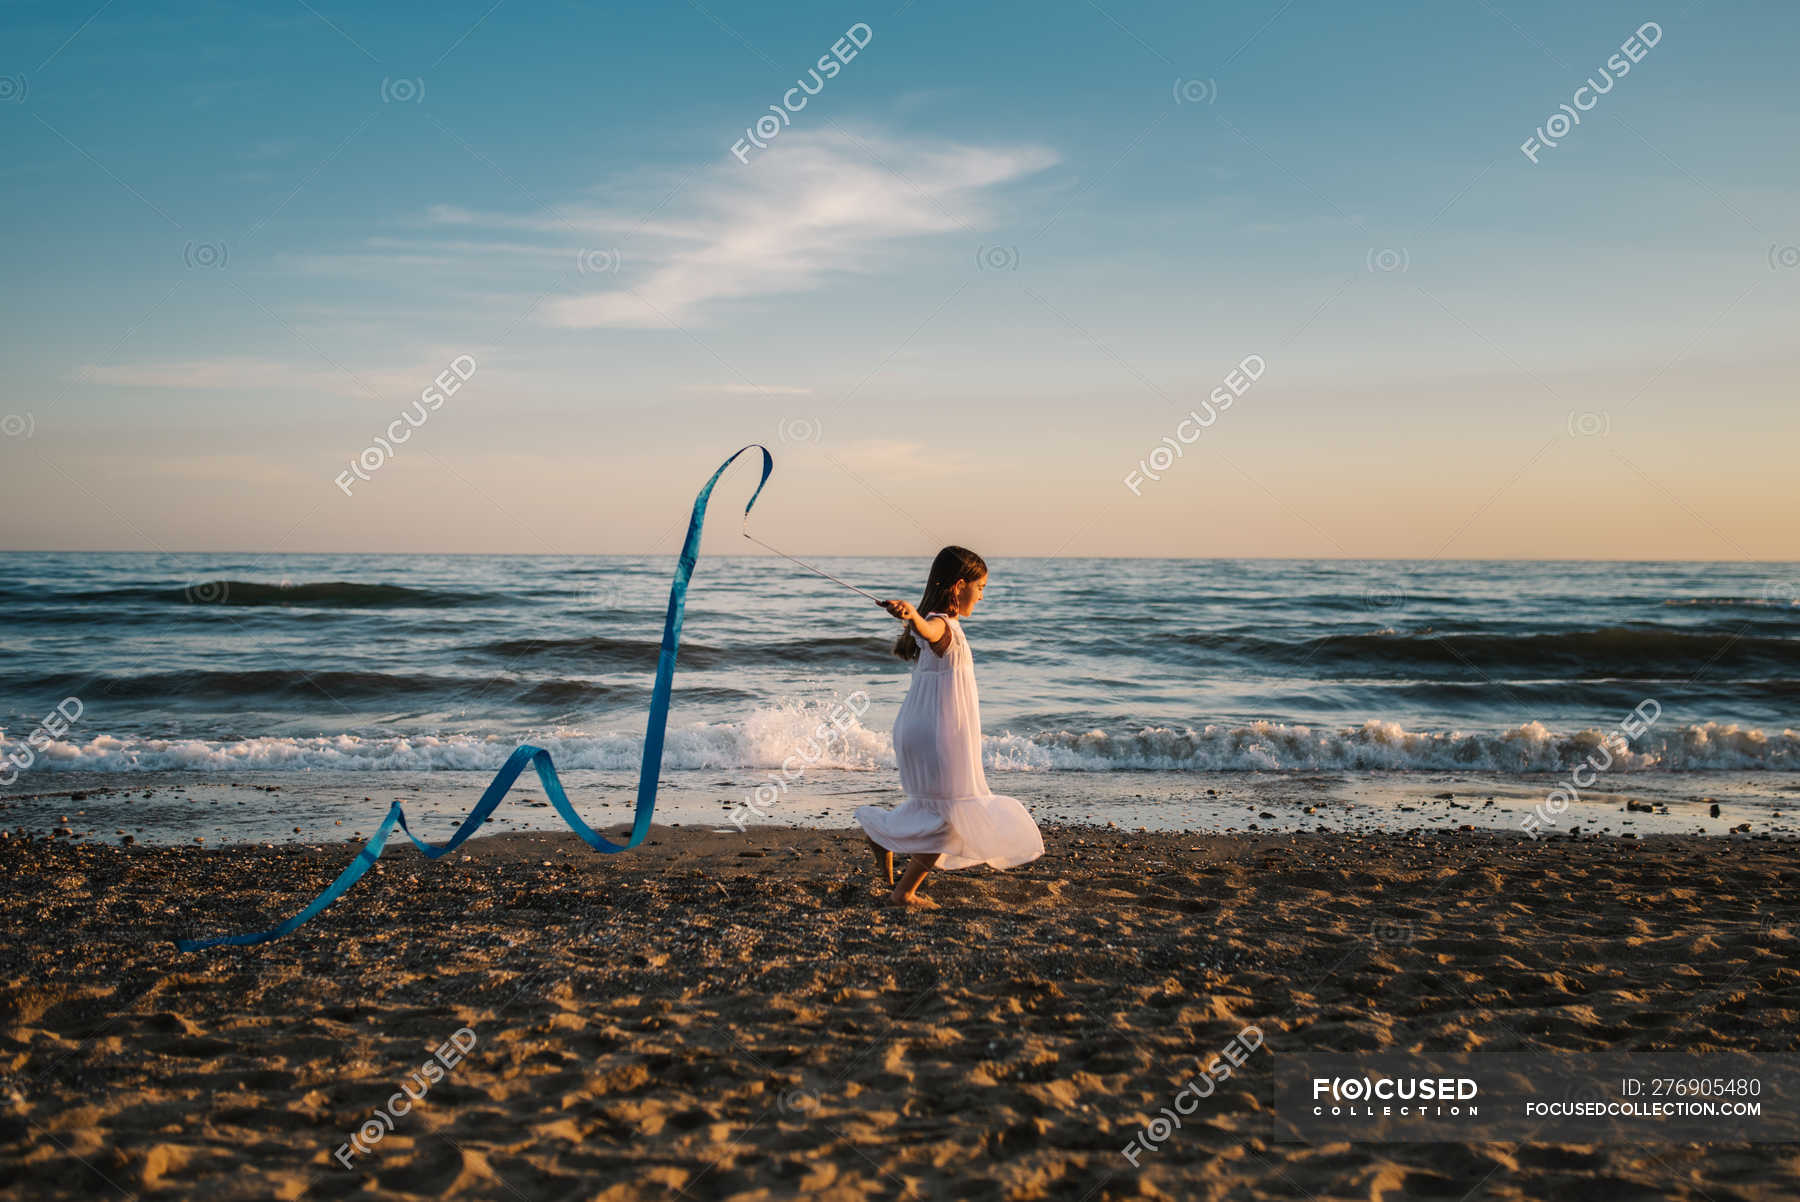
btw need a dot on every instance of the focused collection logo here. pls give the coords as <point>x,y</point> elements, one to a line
<point>1394,1097</point>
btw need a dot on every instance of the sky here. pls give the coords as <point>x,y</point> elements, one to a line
<point>990,260</point>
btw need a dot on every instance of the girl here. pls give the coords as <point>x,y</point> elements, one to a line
<point>949,819</point>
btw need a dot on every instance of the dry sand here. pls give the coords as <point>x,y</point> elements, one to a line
<point>720,1016</point>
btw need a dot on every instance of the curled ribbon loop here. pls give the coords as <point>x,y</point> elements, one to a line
<point>649,774</point>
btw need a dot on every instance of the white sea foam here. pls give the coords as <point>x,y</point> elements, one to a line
<point>768,736</point>
<point>1376,745</point>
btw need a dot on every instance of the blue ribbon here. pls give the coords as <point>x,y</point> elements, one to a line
<point>648,776</point>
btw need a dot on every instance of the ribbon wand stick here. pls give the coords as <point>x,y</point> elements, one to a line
<point>809,567</point>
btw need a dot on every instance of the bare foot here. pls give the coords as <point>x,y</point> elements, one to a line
<point>884,862</point>
<point>912,900</point>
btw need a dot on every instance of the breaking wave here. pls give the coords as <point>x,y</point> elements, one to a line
<point>771,735</point>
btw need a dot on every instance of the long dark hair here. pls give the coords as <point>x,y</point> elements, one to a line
<point>951,565</point>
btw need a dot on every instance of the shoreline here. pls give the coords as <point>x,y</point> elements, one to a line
<point>736,1015</point>
<point>287,807</point>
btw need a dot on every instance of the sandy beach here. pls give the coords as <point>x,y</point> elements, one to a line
<point>1349,523</point>
<point>720,1016</point>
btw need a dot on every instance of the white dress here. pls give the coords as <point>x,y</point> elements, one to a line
<point>937,743</point>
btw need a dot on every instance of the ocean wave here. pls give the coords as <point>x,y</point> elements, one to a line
<point>768,737</point>
<point>1776,601</point>
<point>1378,745</point>
<point>1622,651</point>
<point>343,594</point>
<point>327,686</point>
<point>603,652</point>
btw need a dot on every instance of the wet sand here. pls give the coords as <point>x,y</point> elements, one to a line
<point>733,1016</point>
<point>306,807</point>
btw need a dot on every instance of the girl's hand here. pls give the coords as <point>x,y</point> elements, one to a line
<point>900,609</point>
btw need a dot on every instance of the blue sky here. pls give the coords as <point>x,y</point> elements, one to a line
<point>962,294</point>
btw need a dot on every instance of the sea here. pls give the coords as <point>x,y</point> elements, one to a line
<point>1170,670</point>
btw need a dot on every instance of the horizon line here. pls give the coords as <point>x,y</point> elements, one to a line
<point>829,555</point>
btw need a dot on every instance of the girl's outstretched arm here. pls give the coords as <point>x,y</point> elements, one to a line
<point>935,631</point>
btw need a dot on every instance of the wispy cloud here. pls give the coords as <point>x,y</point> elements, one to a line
<point>815,207</point>
<point>250,470</point>
<point>755,389</point>
<point>240,374</point>
<point>202,374</point>
<point>268,149</point>
<point>381,265</point>
<point>887,458</point>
